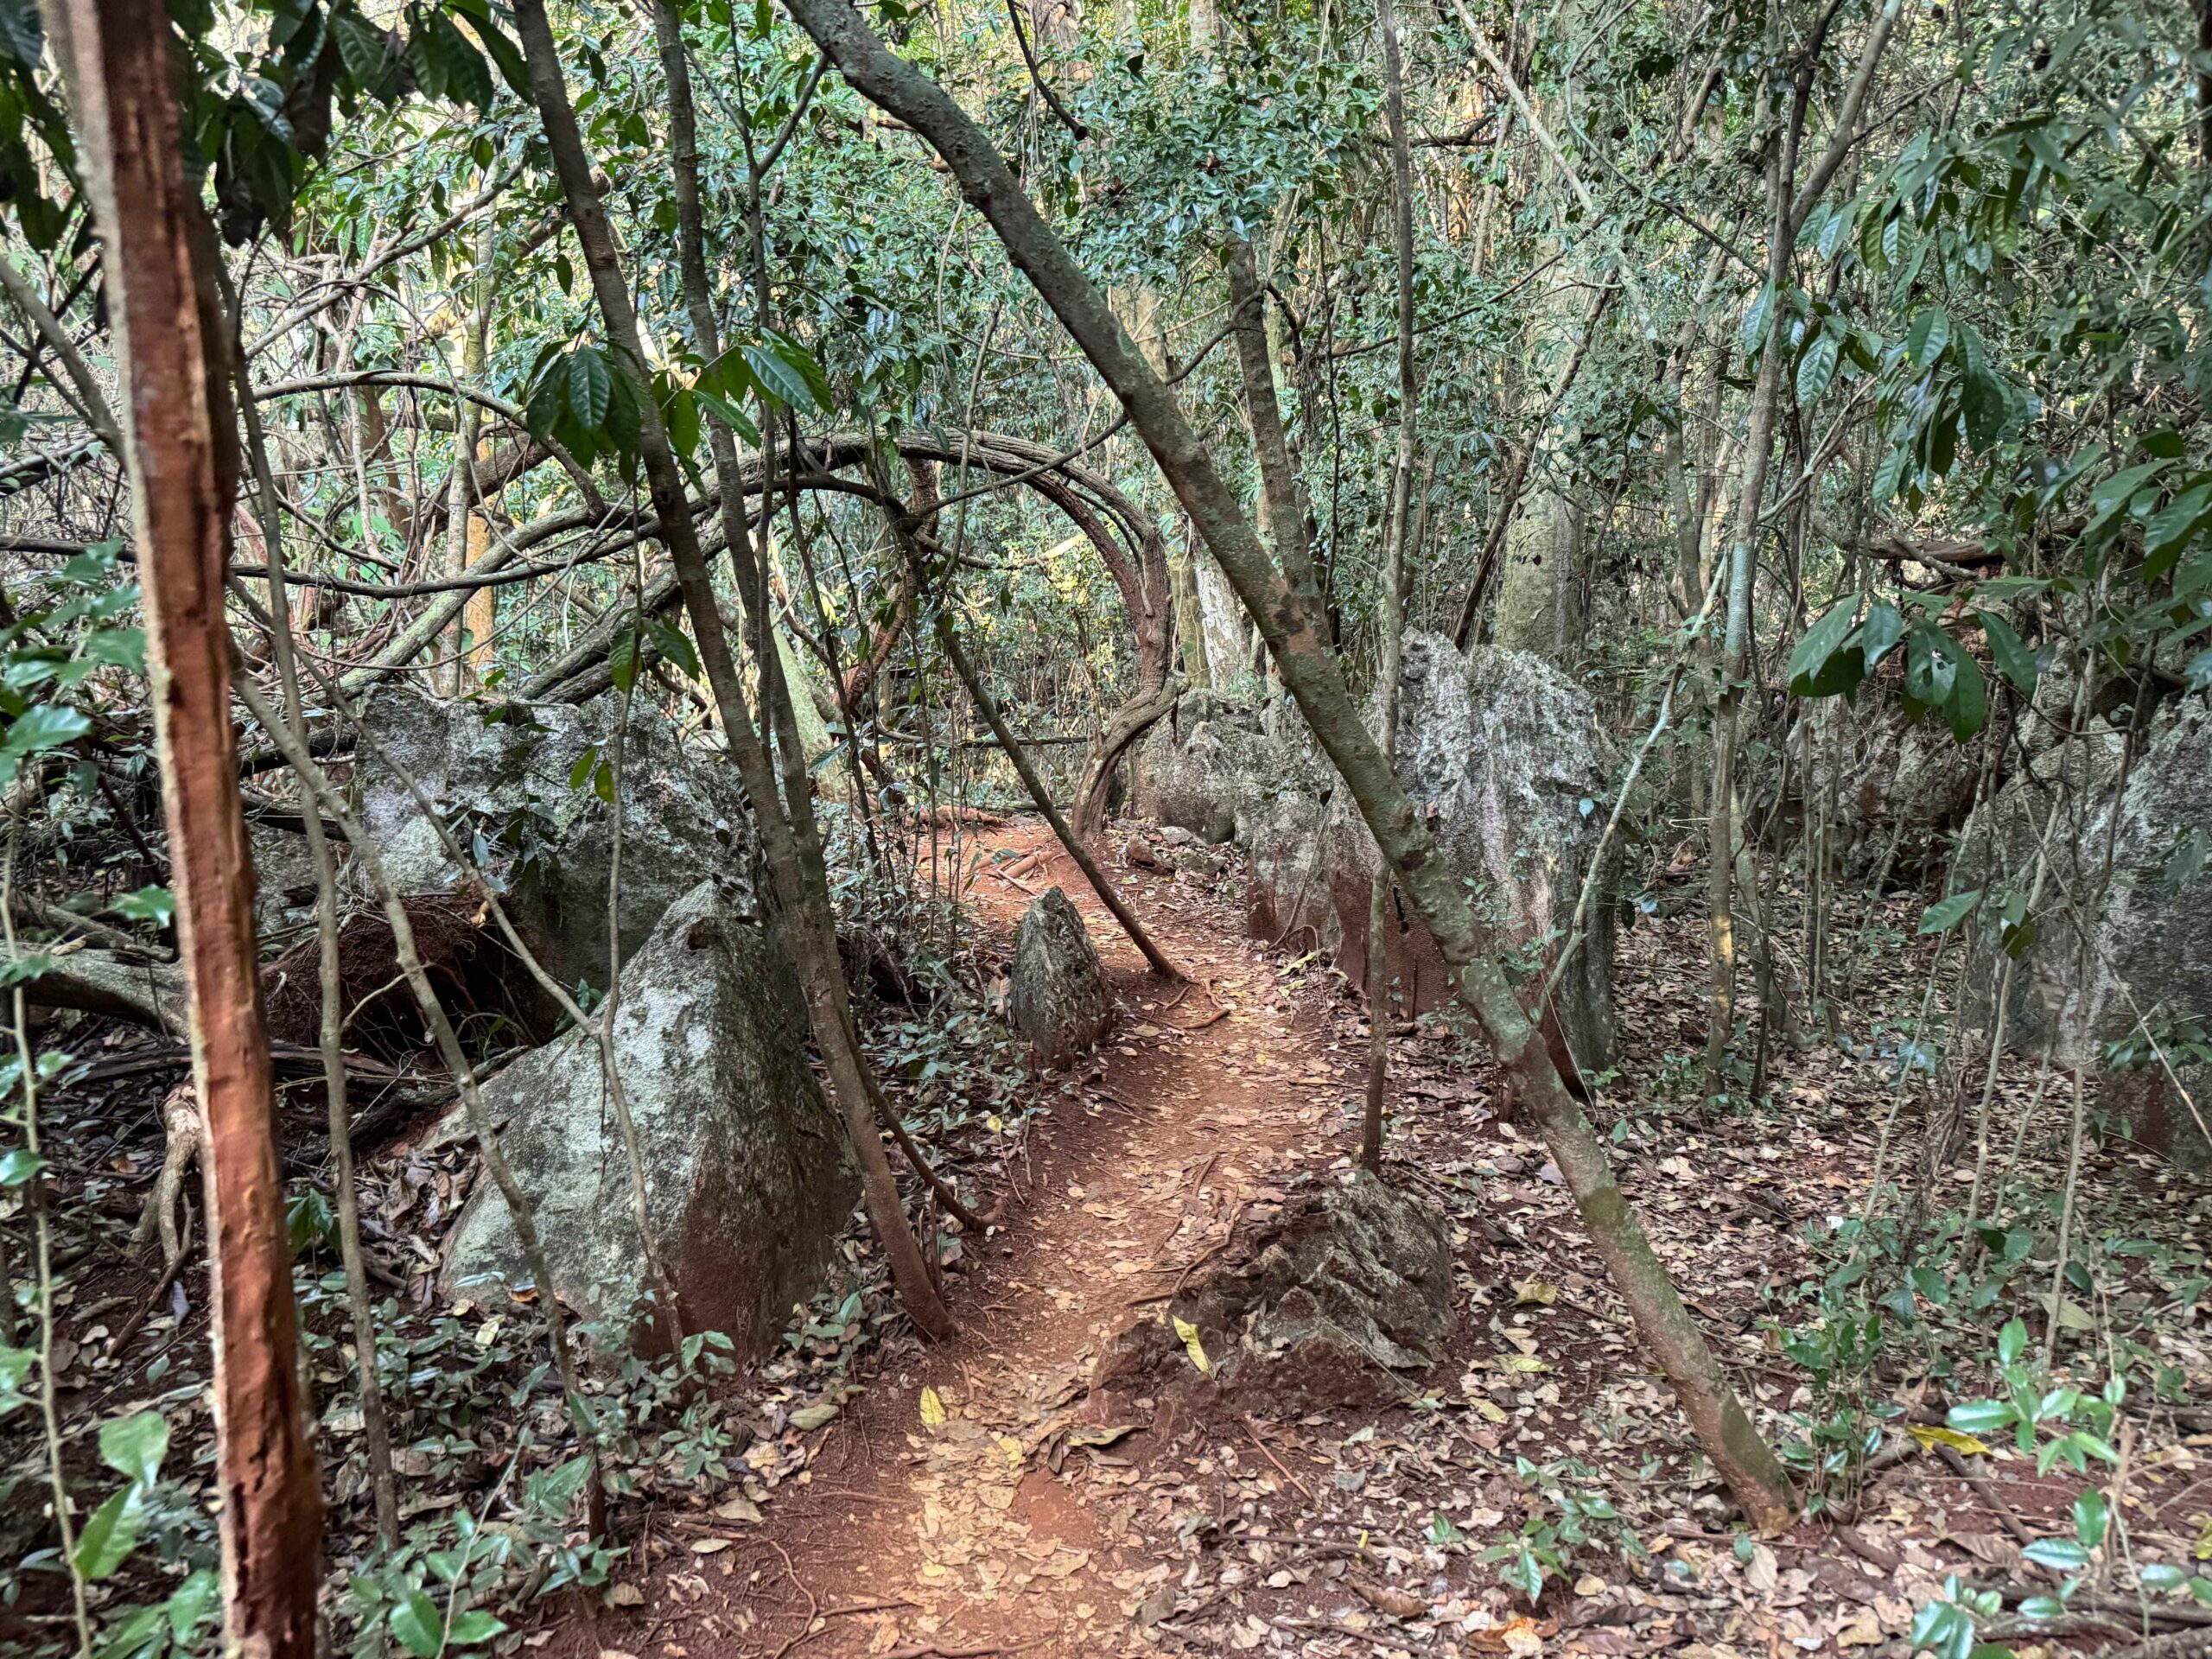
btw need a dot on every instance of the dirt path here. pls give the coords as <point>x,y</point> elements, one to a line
<point>910,1536</point>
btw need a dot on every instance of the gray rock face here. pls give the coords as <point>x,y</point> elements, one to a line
<point>748,1176</point>
<point>1896,783</point>
<point>1499,749</point>
<point>1202,766</point>
<point>1059,997</point>
<point>2152,943</point>
<point>500,773</point>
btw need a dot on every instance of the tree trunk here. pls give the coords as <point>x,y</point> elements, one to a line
<point>810,938</point>
<point>1313,677</point>
<point>1390,622</point>
<point>159,257</point>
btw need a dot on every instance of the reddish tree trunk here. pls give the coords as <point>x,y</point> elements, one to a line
<point>183,456</point>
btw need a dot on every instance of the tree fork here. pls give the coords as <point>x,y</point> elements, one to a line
<point>1312,674</point>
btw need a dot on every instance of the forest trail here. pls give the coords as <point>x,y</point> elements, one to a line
<point>912,1538</point>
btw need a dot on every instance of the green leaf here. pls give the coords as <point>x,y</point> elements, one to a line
<point>782,382</point>
<point>801,361</point>
<point>2009,651</point>
<point>676,645</point>
<point>113,1528</point>
<point>513,69</point>
<point>2061,1552</point>
<point>2011,1341</point>
<point>1816,369</point>
<point>134,1446</point>
<point>473,1626</point>
<point>580,773</point>
<point>1940,918</point>
<point>19,1165</point>
<point>190,1605</point>
<point>49,726</point>
<point>1878,634</point>
<point>591,387</point>
<point>2159,1575</point>
<point>462,73</point>
<point>1808,661</point>
<point>156,904</point>
<point>2043,1607</point>
<point>21,37</point>
<point>1929,333</point>
<point>415,1621</point>
<point>731,416</point>
<point>1968,704</point>
<point>622,659</point>
<point>1757,317</point>
<point>2090,1516</point>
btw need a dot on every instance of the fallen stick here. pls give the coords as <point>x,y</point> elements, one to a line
<point>1267,1452</point>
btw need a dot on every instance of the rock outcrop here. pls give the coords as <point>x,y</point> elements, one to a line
<point>501,773</point>
<point>1333,1299</point>
<point>1503,755</point>
<point>1059,999</point>
<point>2148,956</point>
<point>748,1175</point>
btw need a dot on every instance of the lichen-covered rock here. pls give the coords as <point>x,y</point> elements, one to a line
<point>1329,1301</point>
<point>2149,952</point>
<point>1503,755</point>
<point>1202,767</point>
<point>1059,999</point>
<point>748,1175</point>
<point>1895,790</point>
<point>501,774</point>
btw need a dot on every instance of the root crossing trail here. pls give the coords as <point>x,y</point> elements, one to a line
<point>953,1537</point>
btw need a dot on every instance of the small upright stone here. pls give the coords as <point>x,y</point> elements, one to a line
<point>1059,999</point>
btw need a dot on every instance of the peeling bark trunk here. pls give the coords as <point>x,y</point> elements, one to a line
<point>171,346</point>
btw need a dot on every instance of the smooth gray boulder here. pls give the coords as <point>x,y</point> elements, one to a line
<point>1059,999</point>
<point>2145,970</point>
<point>501,773</point>
<point>749,1178</point>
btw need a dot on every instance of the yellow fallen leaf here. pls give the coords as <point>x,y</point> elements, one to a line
<point>1535,1293</point>
<point>932,1409</point>
<point>1486,1408</point>
<point>1189,1335</point>
<point>1521,1365</point>
<point>1929,1439</point>
<point>1012,1448</point>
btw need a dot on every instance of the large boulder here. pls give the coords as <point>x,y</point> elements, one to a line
<point>1503,755</point>
<point>1059,999</point>
<point>748,1175</point>
<point>1203,767</point>
<point>2148,952</point>
<point>501,774</point>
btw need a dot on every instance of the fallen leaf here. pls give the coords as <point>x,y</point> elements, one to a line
<point>709,1545</point>
<point>1189,1335</point>
<point>1383,1599</point>
<point>1929,1439</point>
<point>739,1508</point>
<point>811,1418</point>
<point>932,1409</point>
<point>1762,1571</point>
<point>1535,1293</point>
<point>625,1595</point>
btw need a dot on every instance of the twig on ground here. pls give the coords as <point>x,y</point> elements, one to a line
<point>1253,1429</point>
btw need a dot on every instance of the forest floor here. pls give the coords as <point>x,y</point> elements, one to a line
<point>962,1503</point>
